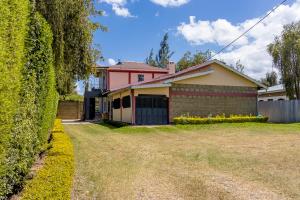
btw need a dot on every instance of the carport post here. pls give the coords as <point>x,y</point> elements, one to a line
<point>133,107</point>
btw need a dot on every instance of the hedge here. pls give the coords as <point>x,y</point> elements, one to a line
<point>218,119</point>
<point>13,30</point>
<point>28,97</point>
<point>54,180</point>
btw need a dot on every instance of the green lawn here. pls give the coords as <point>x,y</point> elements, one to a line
<point>222,161</point>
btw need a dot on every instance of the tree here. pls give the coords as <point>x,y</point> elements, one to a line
<point>72,39</point>
<point>239,66</point>
<point>189,60</point>
<point>285,51</point>
<point>270,79</point>
<point>150,60</point>
<point>164,54</point>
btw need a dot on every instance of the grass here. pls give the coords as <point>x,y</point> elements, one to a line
<point>219,161</point>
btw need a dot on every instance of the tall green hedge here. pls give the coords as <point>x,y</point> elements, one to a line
<point>13,30</point>
<point>28,97</point>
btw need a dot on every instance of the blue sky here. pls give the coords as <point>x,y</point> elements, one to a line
<point>136,26</point>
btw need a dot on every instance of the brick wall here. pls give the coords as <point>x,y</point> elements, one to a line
<point>201,100</point>
<point>70,110</point>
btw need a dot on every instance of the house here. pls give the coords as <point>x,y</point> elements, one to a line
<point>211,88</point>
<point>274,93</point>
<point>120,75</point>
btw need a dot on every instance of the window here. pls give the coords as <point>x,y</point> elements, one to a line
<point>141,77</point>
<point>270,99</point>
<point>126,102</point>
<point>117,103</point>
<point>280,99</point>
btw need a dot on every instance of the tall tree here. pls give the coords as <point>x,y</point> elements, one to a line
<point>150,59</point>
<point>72,38</point>
<point>189,60</point>
<point>270,79</point>
<point>164,54</point>
<point>285,51</point>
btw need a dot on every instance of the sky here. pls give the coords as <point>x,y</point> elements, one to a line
<point>137,26</point>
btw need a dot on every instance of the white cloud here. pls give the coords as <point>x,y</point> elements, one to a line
<point>111,61</point>
<point>170,3</point>
<point>250,49</point>
<point>119,2</point>
<point>121,11</point>
<point>118,7</point>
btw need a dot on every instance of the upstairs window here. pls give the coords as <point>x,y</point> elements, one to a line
<point>126,102</point>
<point>141,77</point>
<point>117,103</point>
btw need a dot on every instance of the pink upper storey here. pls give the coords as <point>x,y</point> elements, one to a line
<point>127,73</point>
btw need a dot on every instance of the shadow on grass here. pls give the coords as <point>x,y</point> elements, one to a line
<point>110,126</point>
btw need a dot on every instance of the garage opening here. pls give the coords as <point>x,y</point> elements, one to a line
<point>151,110</point>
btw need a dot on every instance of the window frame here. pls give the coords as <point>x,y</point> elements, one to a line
<point>126,102</point>
<point>116,104</point>
<point>141,77</point>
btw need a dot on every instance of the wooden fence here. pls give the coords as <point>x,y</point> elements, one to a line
<point>70,110</point>
<point>280,111</point>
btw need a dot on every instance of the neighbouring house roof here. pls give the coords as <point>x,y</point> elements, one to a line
<point>273,89</point>
<point>135,66</point>
<point>186,74</point>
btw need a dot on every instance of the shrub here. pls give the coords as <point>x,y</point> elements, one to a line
<point>13,30</point>
<point>26,120</point>
<point>54,180</point>
<point>116,123</point>
<point>219,119</point>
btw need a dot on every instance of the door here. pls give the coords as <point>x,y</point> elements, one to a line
<point>92,108</point>
<point>151,110</point>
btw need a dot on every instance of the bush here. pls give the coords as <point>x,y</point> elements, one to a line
<point>115,123</point>
<point>54,180</point>
<point>219,119</point>
<point>13,29</point>
<point>26,121</point>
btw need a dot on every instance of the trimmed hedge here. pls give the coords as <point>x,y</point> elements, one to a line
<point>214,120</point>
<point>54,180</point>
<point>28,97</point>
<point>13,30</point>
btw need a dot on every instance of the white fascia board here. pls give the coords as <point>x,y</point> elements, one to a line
<point>151,86</point>
<point>189,76</point>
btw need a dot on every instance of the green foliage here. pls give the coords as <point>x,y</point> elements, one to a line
<point>72,97</point>
<point>219,119</point>
<point>13,28</point>
<point>270,79</point>
<point>164,53</point>
<point>286,57</point>
<point>54,179</point>
<point>189,60</point>
<point>40,60</point>
<point>35,107</point>
<point>73,34</point>
<point>150,60</point>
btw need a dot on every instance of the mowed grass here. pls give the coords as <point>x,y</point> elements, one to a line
<point>221,161</point>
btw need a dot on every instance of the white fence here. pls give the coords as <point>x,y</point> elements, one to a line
<point>280,111</point>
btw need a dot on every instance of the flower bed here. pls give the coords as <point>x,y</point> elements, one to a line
<point>219,119</point>
<point>54,180</point>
